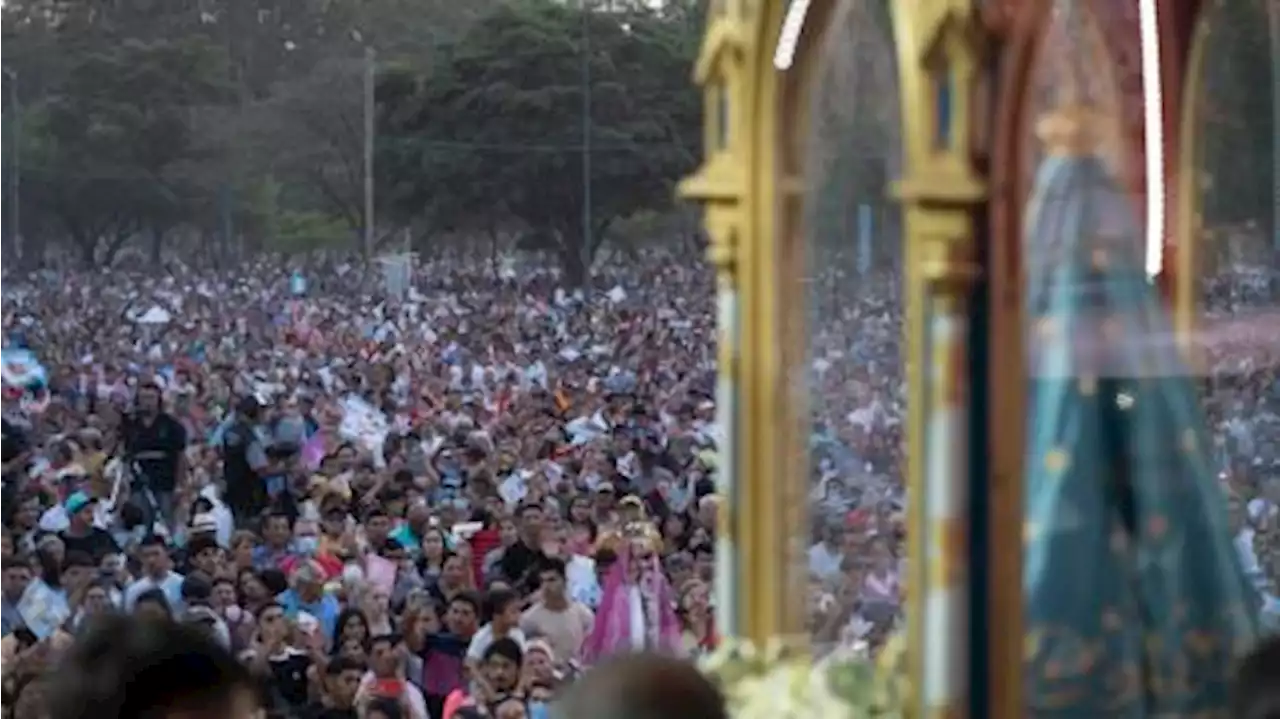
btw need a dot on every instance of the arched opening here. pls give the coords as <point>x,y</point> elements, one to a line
<point>1229,270</point>
<point>841,282</point>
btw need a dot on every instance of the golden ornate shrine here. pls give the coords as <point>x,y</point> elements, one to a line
<point>973,78</point>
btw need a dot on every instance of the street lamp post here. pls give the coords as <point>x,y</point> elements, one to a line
<point>586,131</point>
<point>370,66</point>
<point>15,203</point>
<point>1273,26</point>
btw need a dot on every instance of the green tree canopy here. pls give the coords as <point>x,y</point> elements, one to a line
<point>242,123</point>
<point>497,133</point>
<point>103,148</point>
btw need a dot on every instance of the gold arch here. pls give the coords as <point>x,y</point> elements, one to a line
<point>794,132</point>
<point>751,190</point>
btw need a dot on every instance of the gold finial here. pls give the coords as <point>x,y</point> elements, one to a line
<point>1069,130</point>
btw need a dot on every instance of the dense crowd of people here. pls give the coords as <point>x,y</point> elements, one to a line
<point>1242,407</point>
<point>420,498</point>
<point>399,495</point>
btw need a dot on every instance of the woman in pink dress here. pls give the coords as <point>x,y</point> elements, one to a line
<point>637,609</point>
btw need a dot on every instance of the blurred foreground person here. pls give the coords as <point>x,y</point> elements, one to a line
<point>643,686</point>
<point>1257,687</point>
<point>128,668</point>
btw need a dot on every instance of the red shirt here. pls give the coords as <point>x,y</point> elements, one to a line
<point>482,542</point>
<point>331,565</point>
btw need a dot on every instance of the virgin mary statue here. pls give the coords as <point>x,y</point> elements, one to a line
<point>1136,604</point>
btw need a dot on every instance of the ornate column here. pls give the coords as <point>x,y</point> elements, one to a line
<point>943,192</point>
<point>719,185</point>
<point>1273,33</point>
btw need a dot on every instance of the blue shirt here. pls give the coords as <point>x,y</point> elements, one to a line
<point>265,557</point>
<point>326,609</point>
<point>11,618</point>
<point>408,538</point>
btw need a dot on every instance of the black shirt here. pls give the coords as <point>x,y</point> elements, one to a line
<point>320,711</point>
<point>13,443</point>
<point>98,543</point>
<point>517,564</point>
<point>288,680</point>
<point>235,454</point>
<point>156,447</point>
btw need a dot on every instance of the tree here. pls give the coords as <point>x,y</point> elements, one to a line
<point>242,123</point>
<point>496,132</point>
<point>1237,132</point>
<point>104,143</point>
<point>856,147</point>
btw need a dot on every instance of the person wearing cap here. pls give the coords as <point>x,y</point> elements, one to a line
<point>81,535</point>
<point>631,509</point>
<point>606,503</point>
<point>203,524</point>
<point>209,509</point>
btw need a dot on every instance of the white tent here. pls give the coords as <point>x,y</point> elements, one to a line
<point>157,315</point>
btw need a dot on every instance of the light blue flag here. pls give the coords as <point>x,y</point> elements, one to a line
<point>215,437</point>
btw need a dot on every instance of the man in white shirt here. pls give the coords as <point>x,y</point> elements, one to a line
<point>504,609</point>
<point>564,623</point>
<point>156,575</point>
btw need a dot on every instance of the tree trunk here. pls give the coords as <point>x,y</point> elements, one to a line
<point>573,266</point>
<point>113,248</point>
<point>157,245</point>
<point>493,254</point>
<point>88,252</point>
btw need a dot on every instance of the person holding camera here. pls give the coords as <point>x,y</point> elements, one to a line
<point>155,443</point>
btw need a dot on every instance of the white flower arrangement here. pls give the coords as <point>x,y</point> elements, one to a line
<point>774,683</point>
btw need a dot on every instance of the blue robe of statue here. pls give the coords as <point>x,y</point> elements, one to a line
<point>1136,603</point>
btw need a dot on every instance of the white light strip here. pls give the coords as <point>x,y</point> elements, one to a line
<point>792,24</point>
<point>1153,121</point>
